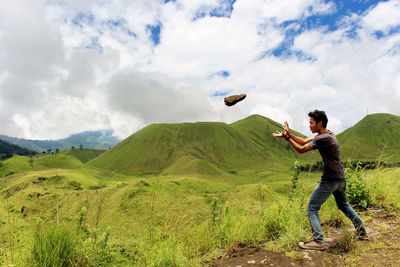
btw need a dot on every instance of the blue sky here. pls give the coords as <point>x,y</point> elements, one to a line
<point>68,67</point>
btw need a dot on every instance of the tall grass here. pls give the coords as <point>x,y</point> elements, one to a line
<point>54,245</point>
<point>187,221</point>
<point>284,222</point>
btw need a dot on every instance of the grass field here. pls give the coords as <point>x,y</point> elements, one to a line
<point>163,220</point>
<point>180,195</point>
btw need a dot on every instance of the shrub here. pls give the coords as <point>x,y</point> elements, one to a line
<point>74,185</point>
<point>93,248</point>
<point>294,179</point>
<point>275,222</point>
<point>357,190</point>
<point>54,245</point>
<point>346,242</point>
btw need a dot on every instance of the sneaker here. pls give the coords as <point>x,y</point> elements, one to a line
<point>312,245</point>
<point>362,236</point>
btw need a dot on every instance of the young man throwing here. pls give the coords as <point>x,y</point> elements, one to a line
<point>332,180</point>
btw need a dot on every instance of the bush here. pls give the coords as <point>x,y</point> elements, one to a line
<point>74,185</point>
<point>54,245</point>
<point>63,245</point>
<point>94,248</point>
<point>274,223</point>
<point>357,190</point>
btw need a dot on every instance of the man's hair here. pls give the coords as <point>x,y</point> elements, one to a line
<point>319,115</point>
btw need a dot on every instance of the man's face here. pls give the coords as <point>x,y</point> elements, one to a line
<point>313,125</point>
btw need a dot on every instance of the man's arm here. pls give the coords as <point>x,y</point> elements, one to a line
<point>300,140</point>
<point>297,139</point>
<point>301,149</point>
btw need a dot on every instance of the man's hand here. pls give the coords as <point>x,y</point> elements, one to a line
<point>280,134</point>
<point>286,132</point>
<point>294,140</point>
<point>286,128</point>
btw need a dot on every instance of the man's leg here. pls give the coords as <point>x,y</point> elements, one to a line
<point>321,193</point>
<point>344,206</point>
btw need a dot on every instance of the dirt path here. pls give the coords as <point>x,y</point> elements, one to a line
<point>382,248</point>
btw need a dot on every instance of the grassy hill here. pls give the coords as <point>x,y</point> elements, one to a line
<point>84,155</point>
<point>245,144</point>
<point>21,164</point>
<point>56,161</point>
<point>170,221</point>
<point>220,186</point>
<point>14,165</point>
<point>374,135</point>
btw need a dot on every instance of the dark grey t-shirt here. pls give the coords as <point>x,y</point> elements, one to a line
<point>328,147</point>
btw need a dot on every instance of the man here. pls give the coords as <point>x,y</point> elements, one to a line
<point>332,180</point>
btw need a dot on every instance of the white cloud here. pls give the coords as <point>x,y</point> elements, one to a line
<point>209,45</point>
<point>362,70</point>
<point>152,97</point>
<point>274,113</point>
<point>66,115</point>
<point>67,67</point>
<point>279,10</point>
<point>335,124</point>
<point>383,17</point>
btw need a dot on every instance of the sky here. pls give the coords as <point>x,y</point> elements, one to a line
<point>74,66</point>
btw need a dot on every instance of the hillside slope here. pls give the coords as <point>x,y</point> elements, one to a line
<point>20,164</point>
<point>245,144</point>
<point>374,135</point>
<point>84,155</point>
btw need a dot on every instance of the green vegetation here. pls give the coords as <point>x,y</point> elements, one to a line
<point>181,208</point>
<point>7,150</point>
<point>84,155</point>
<point>14,165</point>
<point>357,190</point>
<point>374,137</point>
<point>230,148</point>
<point>164,220</point>
<point>56,161</point>
<point>54,246</point>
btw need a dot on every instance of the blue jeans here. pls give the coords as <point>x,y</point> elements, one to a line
<point>321,193</point>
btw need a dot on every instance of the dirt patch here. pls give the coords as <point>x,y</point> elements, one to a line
<point>254,257</point>
<point>382,248</point>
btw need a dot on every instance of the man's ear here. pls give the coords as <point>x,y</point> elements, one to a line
<point>320,124</point>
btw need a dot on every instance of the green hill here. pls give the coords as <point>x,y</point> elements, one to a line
<point>56,161</point>
<point>14,165</point>
<point>245,144</point>
<point>84,155</point>
<point>374,135</point>
<point>220,186</point>
<point>259,129</point>
<point>192,165</point>
<point>20,164</point>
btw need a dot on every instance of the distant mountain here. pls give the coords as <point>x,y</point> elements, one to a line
<point>8,150</point>
<point>89,139</point>
<point>200,148</point>
<point>375,135</point>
